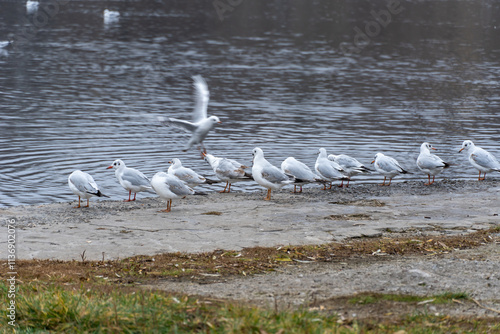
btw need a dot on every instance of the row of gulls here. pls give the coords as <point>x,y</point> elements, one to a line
<point>179,181</point>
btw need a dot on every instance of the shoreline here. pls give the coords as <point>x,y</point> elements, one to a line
<point>240,220</point>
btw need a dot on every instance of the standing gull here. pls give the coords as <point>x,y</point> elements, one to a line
<point>328,169</point>
<point>169,186</point>
<point>187,175</point>
<point>129,178</point>
<point>480,159</point>
<point>300,171</point>
<point>350,165</point>
<point>267,175</point>
<point>83,186</point>
<point>430,163</point>
<point>228,170</point>
<point>201,124</point>
<point>387,166</point>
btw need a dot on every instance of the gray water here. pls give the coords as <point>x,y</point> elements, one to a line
<point>287,76</point>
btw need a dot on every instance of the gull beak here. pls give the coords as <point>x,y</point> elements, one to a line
<point>109,167</point>
<point>461,150</point>
<point>170,162</point>
<point>219,122</point>
<point>204,154</point>
<point>372,162</point>
<point>435,149</point>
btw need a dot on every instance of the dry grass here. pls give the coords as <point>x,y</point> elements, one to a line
<point>221,263</point>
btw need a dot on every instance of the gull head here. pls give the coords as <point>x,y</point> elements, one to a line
<point>175,162</point>
<point>378,155</point>
<point>427,146</point>
<point>215,119</point>
<point>467,145</point>
<point>322,152</point>
<point>116,164</point>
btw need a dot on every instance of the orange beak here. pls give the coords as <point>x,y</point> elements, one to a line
<point>373,161</point>
<point>109,167</point>
<point>204,154</point>
<point>219,122</point>
<point>461,150</point>
<point>435,149</point>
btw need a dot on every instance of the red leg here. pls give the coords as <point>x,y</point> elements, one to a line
<point>135,194</point>
<point>87,203</point>
<point>268,197</point>
<point>223,191</point>
<point>341,184</point>
<point>78,203</point>
<point>129,193</point>
<point>383,184</point>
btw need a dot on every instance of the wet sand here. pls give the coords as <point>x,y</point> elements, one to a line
<point>238,220</point>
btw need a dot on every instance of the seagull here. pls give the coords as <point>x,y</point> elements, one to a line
<point>111,16</point>
<point>350,165</point>
<point>84,186</point>
<point>228,170</point>
<point>387,166</point>
<point>430,163</point>
<point>31,6</point>
<point>201,124</point>
<point>131,179</point>
<point>267,175</point>
<point>300,171</point>
<point>480,159</point>
<point>328,169</point>
<point>187,175</point>
<point>169,186</point>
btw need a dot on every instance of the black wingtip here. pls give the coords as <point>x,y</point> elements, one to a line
<point>100,194</point>
<point>209,181</point>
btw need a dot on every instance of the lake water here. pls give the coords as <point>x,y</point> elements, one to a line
<point>288,76</point>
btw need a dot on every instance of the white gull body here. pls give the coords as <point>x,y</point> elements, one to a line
<point>83,185</point>
<point>227,170</point>
<point>131,179</point>
<point>350,165</point>
<point>168,187</point>
<point>187,175</point>
<point>328,169</point>
<point>388,167</point>
<point>302,173</point>
<point>267,175</point>
<point>200,125</point>
<point>430,163</point>
<point>480,159</point>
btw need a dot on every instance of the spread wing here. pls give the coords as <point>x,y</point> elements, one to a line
<point>178,123</point>
<point>201,96</point>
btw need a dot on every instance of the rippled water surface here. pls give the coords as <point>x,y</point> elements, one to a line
<point>287,76</point>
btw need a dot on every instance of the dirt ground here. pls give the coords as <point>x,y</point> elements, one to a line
<point>240,220</point>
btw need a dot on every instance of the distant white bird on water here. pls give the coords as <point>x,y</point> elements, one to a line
<point>227,170</point>
<point>267,175</point>
<point>328,169</point>
<point>201,124</point>
<point>300,171</point>
<point>430,163</point>
<point>31,6</point>
<point>131,179</point>
<point>111,16</point>
<point>480,159</point>
<point>350,165</point>
<point>84,186</point>
<point>387,166</point>
<point>168,187</point>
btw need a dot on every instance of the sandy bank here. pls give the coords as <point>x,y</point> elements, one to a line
<point>238,220</point>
